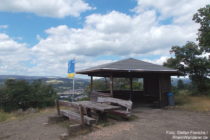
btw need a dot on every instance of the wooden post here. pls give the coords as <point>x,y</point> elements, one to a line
<point>91,85</point>
<point>111,85</point>
<point>159,90</point>
<point>106,84</point>
<point>81,115</point>
<point>131,87</point>
<point>57,106</point>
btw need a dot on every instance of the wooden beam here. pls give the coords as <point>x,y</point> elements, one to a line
<point>111,85</point>
<point>57,106</point>
<point>82,121</point>
<point>159,90</point>
<point>91,85</point>
<point>106,83</point>
<point>131,84</point>
<point>131,87</point>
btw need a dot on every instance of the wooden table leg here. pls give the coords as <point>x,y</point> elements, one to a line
<point>88,112</point>
<point>102,116</point>
<point>57,106</point>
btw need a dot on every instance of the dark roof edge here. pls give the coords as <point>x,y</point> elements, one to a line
<point>124,70</point>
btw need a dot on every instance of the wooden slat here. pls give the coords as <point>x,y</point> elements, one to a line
<point>125,103</point>
<point>69,104</point>
<point>97,106</point>
<point>82,121</point>
<point>75,116</point>
<point>57,107</point>
<point>121,112</point>
<point>95,94</point>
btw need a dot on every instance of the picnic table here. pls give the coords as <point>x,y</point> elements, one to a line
<point>100,108</point>
<point>88,109</point>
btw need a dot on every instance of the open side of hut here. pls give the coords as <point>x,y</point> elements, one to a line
<point>156,80</point>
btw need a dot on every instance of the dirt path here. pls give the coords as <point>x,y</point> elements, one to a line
<point>151,124</point>
<point>31,128</point>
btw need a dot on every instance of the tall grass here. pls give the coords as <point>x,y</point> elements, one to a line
<point>6,116</point>
<point>185,100</point>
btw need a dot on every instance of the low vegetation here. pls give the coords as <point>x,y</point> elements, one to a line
<point>6,116</point>
<point>19,94</point>
<point>192,59</point>
<point>20,114</point>
<point>186,100</point>
<point>118,83</point>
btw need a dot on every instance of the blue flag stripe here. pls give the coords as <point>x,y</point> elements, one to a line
<point>71,66</point>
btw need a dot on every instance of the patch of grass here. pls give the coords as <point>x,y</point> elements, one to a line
<point>193,103</point>
<point>183,92</point>
<point>79,131</point>
<point>84,99</point>
<point>6,116</point>
<point>120,118</point>
<point>115,117</point>
<point>104,123</point>
<point>47,110</point>
<point>132,118</point>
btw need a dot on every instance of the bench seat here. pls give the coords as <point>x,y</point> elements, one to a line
<point>75,116</point>
<point>121,112</point>
<point>127,105</point>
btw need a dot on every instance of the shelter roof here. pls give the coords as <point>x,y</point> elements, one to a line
<point>128,66</point>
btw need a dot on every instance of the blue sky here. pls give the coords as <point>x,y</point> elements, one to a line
<point>28,25</point>
<point>39,37</point>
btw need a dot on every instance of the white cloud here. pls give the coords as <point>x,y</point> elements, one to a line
<point>3,26</point>
<point>13,56</point>
<point>158,61</point>
<point>181,11</point>
<point>48,8</point>
<point>166,8</point>
<point>113,34</point>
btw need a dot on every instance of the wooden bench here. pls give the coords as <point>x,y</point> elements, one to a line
<point>81,116</point>
<point>95,94</point>
<point>125,109</point>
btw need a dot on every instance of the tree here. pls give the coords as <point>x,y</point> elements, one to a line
<point>188,60</point>
<point>180,84</point>
<point>17,94</point>
<point>203,18</point>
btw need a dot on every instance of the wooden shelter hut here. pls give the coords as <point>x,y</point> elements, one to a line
<point>156,80</point>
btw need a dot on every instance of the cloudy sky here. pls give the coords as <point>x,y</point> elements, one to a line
<point>38,37</point>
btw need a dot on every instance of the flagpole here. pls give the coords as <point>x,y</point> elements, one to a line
<point>71,74</point>
<point>73,80</point>
<point>73,86</point>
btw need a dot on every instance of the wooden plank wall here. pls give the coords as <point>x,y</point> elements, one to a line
<point>151,86</point>
<point>164,88</point>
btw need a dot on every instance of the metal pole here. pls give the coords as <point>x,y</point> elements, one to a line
<point>73,90</point>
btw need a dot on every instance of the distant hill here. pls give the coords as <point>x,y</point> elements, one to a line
<point>63,84</point>
<point>3,77</point>
<point>174,81</point>
<point>59,83</point>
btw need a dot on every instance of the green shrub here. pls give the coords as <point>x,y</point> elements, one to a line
<point>17,94</point>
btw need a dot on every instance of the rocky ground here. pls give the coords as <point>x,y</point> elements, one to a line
<point>158,124</point>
